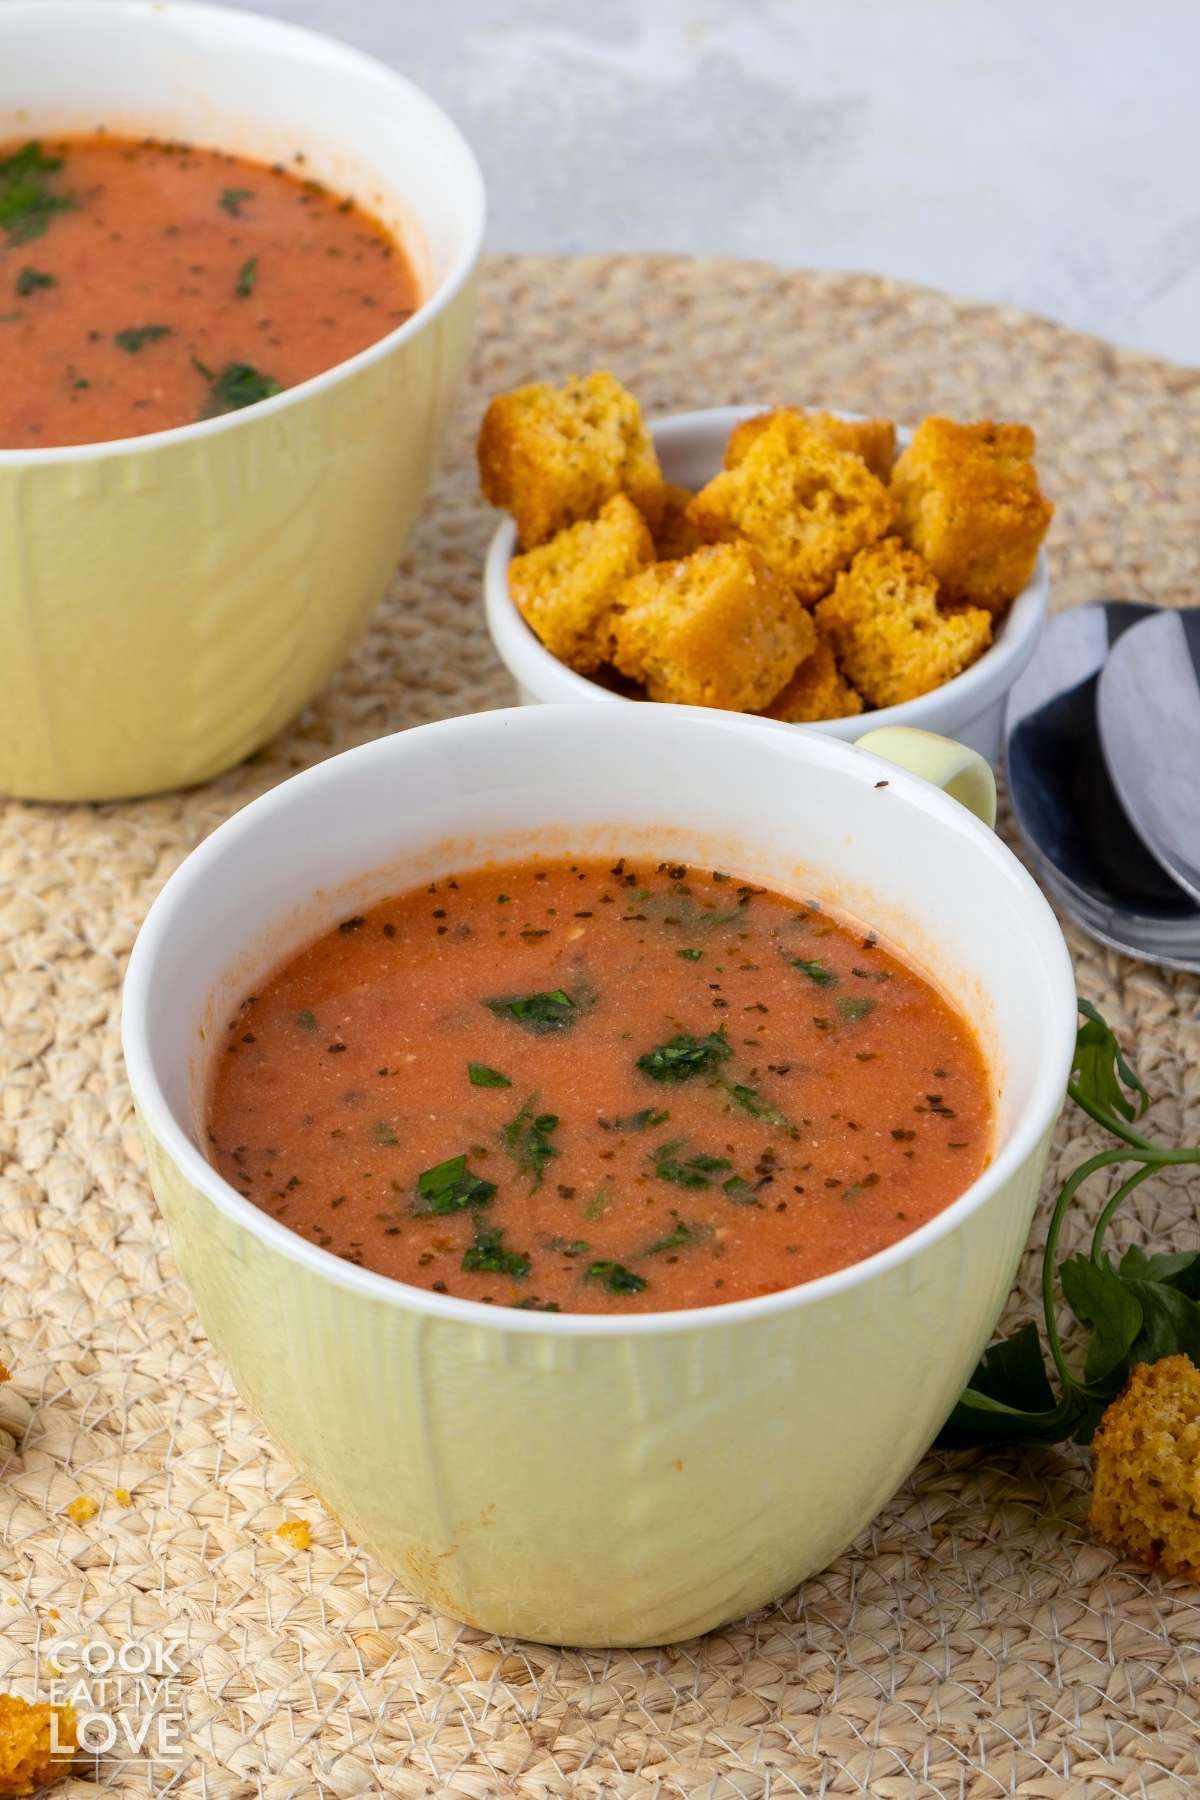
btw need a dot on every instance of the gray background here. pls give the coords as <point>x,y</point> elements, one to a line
<point>1042,152</point>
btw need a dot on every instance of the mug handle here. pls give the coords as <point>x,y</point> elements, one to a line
<point>963,774</point>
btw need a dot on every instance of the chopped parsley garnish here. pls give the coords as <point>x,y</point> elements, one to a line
<point>479,1075</point>
<point>615,1277</point>
<point>645,1120</point>
<point>531,1303</point>
<point>681,1236</point>
<point>246,277</point>
<point>488,1256</point>
<point>527,1140</point>
<point>816,971</point>
<point>238,385</point>
<point>231,199</point>
<point>538,1013</point>
<point>133,338</point>
<point>567,1246</point>
<point>306,1020</point>
<point>853,1008</point>
<point>450,1187</point>
<point>29,280</point>
<point>687,1172</point>
<point>750,1100</point>
<point>690,955</point>
<point>27,202</point>
<point>383,1133</point>
<point>739,1190</point>
<point>685,1056</point>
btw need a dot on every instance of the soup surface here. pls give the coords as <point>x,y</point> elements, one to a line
<point>592,1088</point>
<point>145,285</point>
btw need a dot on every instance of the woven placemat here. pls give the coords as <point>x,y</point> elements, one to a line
<point>975,1641</point>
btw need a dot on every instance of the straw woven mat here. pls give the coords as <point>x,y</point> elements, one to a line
<point>975,1641</point>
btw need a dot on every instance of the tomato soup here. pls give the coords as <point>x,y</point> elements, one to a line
<point>587,1087</point>
<point>145,285</point>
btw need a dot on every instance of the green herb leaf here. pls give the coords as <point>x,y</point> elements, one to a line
<point>382,1133</point>
<point>532,1304</point>
<point>306,1020</point>
<point>646,1120</point>
<point>487,1255</point>
<point>28,202</point>
<point>231,200</point>
<point>685,1056</point>
<point>854,1007</point>
<point>1102,1082</point>
<point>238,385</point>
<point>450,1187</point>
<point>749,1100</point>
<point>134,338</point>
<point>28,280</point>
<point>691,1172</point>
<point>740,1191</point>
<point>690,955</point>
<point>682,1236</point>
<point>247,275</point>
<point>615,1277</point>
<point>1102,1301</point>
<point>537,1013</point>
<point>815,970</point>
<point>527,1140</point>
<point>479,1075</point>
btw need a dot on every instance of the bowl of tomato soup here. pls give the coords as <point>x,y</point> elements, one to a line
<point>236,285</point>
<point>601,1157</point>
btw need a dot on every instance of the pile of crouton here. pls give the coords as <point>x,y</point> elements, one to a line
<point>816,576</point>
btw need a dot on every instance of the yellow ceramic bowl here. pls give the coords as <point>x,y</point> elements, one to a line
<point>167,603</point>
<point>574,1478</point>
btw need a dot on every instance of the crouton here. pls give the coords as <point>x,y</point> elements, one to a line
<point>296,1533</point>
<point>565,588</point>
<point>1146,1469</point>
<point>675,535</point>
<point>553,456</point>
<point>872,439</point>
<point>29,1757</point>
<point>890,636</point>
<point>818,689</point>
<point>804,505</point>
<point>718,628</point>
<point>968,500</point>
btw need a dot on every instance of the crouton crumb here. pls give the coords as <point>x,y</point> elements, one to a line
<point>30,1756</point>
<point>872,439</point>
<point>718,628</point>
<point>553,456</point>
<point>968,501</point>
<point>1146,1469</point>
<point>565,588</point>
<point>296,1533</point>
<point>82,1508</point>
<point>818,689</point>
<point>805,505</point>
<point>891,637</point>
<point>122,1496</point>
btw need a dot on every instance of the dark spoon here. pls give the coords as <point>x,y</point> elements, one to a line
<point>1148,710</point>
<point>1085,851</point>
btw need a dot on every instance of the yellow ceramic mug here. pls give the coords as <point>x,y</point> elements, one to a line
<point>168,602</point>
<point>593,1479</point>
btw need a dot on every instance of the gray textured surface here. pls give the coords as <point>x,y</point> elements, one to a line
<point>1018,150</point>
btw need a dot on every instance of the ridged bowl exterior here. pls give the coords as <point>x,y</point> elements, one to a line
<point>167,608</point>
<point>600,1490</point>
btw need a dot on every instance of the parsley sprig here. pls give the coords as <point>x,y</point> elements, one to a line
<point>1135,1311</point>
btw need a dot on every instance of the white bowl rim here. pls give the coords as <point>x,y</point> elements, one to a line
<point>455,279</point>
<point>965,694</point>
<point>1022,1143</point>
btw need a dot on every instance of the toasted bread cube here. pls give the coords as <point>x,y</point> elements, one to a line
<point>818,689</point>
<point>890,635</point>
<point>675,535</point>
<point>806,506</point>
<point>37,1743</point>
<point>872,439</point>
<point>968,500</point>
<point>565,588</point>
<point>718,628</point>
<point>553,456</point>
<point>1146,1469</point>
